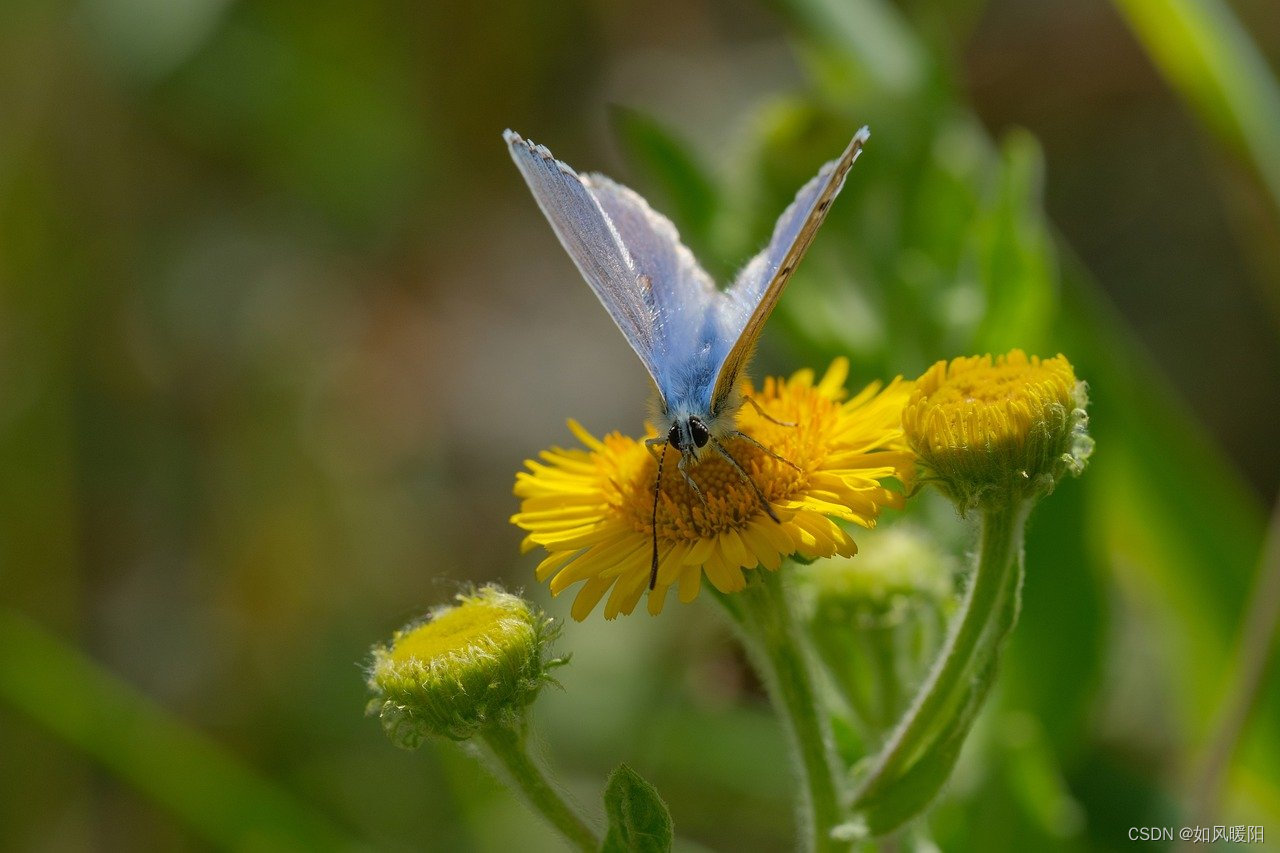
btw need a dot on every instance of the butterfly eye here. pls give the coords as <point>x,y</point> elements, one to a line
<point>701,435</point>
<point>673,437</point>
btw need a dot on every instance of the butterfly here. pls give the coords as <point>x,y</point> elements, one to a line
<point>693,338</point>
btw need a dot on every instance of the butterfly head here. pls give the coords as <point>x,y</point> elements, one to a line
<point>689,435</point>
<point>694,424</point>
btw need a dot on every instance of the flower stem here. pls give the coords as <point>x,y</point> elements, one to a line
<point>508,746</point>
<point>782,657</point>
<point>948,701</point>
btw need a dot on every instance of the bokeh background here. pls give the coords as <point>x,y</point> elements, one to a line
<point>279,322</point>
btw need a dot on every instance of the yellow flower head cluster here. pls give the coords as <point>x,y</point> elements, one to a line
<point>998,429</point>
<point>592,508</point>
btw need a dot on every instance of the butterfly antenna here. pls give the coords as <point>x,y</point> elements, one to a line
<point>742,472</point>
<point>657,490</point>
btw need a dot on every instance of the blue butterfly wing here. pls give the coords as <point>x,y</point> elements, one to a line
<point>597,249</point>
<point>694,340</point>
<point>749,302</point>
<point>684,298</point>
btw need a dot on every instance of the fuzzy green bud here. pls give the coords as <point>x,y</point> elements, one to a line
<point>465,668</point>
<point>877,620</point>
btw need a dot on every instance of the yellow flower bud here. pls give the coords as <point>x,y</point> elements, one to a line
<point>464,669</point>
<point>992,431</point>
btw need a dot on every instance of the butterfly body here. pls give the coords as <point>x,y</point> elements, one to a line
<point>684,404</point>
<point>694,339</point>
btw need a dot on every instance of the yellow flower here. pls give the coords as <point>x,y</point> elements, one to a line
<point>591,509</point>
<point>988,431</point>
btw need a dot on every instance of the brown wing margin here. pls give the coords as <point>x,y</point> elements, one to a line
<point>744,347</point>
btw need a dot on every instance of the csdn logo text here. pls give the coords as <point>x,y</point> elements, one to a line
<point>1151,833</point>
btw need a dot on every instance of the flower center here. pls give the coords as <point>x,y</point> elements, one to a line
<point>993,385</point>
<point>728,501</point>
<point>975,401</point>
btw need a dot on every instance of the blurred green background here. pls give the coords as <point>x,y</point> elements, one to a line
<point>279,322</point>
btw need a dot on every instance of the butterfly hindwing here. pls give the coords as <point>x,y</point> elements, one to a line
<point>681,293</point>
<point>755,292</point>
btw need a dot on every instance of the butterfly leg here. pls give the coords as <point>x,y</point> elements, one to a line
<point>784,460</point>
<point>684,459</point>
<point>659,455</point>
<point>742,472</point>
<point>768,417</point>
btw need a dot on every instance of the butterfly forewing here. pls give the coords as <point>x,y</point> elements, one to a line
<point>754,294</point>
<point>593,242</point>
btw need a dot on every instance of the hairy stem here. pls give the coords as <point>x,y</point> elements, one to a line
<point>781,654</point>
<point>509,747</point>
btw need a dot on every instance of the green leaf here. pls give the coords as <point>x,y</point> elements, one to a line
<point>211,791</point>
<point>638,818</point>
<point>1208,57</point>
<point>860,41</point>
<point>1163,502</point>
